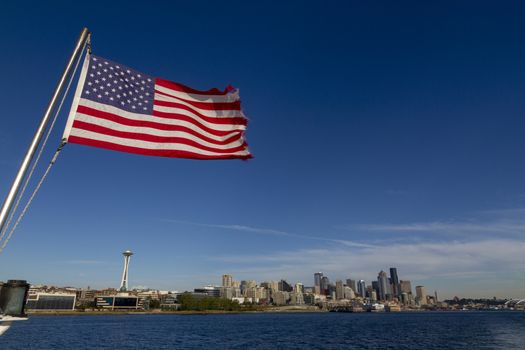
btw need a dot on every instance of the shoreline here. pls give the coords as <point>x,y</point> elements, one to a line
<point>224,312</point>
<point>160,312</point>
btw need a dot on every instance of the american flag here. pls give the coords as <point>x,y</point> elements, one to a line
<point>118,108</point>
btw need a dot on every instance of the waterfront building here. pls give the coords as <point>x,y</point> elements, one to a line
<point>245,285</point>
<point>227,292</point>
<point>227,280</point>
<point>257,293</point>
<point>382,281</point>
<point>85,297</point>
<point>268,289</point>
<point>296,298</point>
<point>167,295</point>
<point>421,295</point>
<point>211,291</point>
<point>280,298</point>
<point>373,295</point>
<point>309,298</point>
<point>149,294</point>
<point>349,293</point>
<point>251,293</point>
<point>113,302</point>
<point>361,288</point>
<point>170,302</point>
<point>51,301</point>
<point>394,280</point>
<point>339,290</point>
<point>299,288</point>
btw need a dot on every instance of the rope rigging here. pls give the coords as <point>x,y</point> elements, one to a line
<point>35,163</point>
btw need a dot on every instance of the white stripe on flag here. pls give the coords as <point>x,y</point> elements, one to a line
<point>149,145</point>
<point>151,131</point>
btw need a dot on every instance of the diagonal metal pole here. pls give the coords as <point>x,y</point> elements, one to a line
<point>8,203</point>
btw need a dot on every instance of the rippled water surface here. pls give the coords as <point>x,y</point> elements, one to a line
<point>433,330</point>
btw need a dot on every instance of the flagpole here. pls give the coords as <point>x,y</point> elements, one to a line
<point>8,203</point>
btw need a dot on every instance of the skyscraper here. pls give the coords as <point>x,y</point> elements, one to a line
<point>318,276</point>
<point>395,282</point>
<point>285,286</point>
<point>421,295</point>
<point>405,287</point>
<point>361,288</point>
<point>375,287</point>
<point>227,280</point>
<point>299,288</point>
<point>382,281</point>
<point>351,283</point>
<point>325,285</point>
<point>297,295</point>
<point>339,290</point>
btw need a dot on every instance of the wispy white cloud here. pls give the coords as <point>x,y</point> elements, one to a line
<point>501,225</point>
<point>249,229</point>
<point>272,232</point>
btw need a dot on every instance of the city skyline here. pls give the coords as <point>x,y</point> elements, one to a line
<point>384,134</point>
<point>387,286</point>
<point>380,296</point>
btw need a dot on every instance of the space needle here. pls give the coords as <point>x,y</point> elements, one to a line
<point>124,283</point>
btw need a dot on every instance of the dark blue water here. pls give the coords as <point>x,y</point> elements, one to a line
<point>433,330</point>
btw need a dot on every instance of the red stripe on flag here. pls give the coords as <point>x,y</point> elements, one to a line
<point>182,88</point>
<point>150,152</point>
<point>158,125</point>
<point>152,138</point>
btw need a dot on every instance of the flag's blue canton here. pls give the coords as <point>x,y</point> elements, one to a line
<point>111,83</point>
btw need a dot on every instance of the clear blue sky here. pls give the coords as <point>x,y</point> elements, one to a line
<point>384,134</point>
